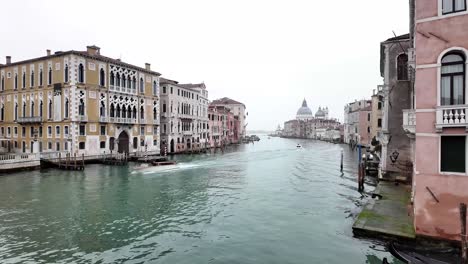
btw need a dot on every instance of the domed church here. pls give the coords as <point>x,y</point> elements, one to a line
<point>304,113</point>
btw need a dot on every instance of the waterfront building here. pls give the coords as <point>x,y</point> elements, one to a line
<point>79,102</point>
<point>440,129</point>
<point>306,125</point>
<point>376,115</point>
<point>397,96</point>
<point>240,114</point>
<point>357,122</point>
<point>184,116</point>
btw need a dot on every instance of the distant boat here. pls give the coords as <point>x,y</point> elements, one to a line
<point>299,146</point>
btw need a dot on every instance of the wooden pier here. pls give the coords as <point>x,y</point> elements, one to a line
<point>118,159</point>
<point>68,162</point>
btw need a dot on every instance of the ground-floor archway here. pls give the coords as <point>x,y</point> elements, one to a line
<point>172,146</point>
<point>123,142</point>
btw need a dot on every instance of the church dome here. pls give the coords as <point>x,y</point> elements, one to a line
<point>304,112</point>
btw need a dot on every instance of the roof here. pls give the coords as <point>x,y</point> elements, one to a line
<point>401,37</point>
<point>167,81</point>
<point>193,85</point>
<point>84,54</point>
<point>225,101</point>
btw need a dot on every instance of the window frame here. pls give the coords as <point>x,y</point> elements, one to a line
<point>466,155</point>
<point>452,75</point>
<point>453,8</point>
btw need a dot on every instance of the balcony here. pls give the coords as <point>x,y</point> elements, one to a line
<point>409,121</point>
<point>451,116</point>
<point>103,119</point>
<point>29,120</point>
<point>187,133</point>
<point>82,118</point>
<point>142,121</point>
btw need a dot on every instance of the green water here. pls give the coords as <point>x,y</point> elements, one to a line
<point>261,203</point>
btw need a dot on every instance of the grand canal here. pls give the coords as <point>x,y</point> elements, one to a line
<point>260,203</point>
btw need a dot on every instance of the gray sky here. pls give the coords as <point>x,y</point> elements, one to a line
<point>267,54</point>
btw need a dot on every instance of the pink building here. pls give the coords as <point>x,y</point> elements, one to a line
<point>441,51</point>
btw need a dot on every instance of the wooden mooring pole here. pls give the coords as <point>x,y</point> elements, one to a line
<point>341,163</point>
<point>464,248</point>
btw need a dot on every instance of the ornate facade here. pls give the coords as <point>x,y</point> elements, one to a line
<point>79,102</point>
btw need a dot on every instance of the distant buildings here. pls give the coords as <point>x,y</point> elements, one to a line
<point>357,122</point>
<point>239,112</point>
<point>307,125</point>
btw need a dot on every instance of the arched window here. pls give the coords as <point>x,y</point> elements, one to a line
<point>135,142</point>
<point>102,77</point>
<point>112,110</point>
<point>117,79</point>
<point>3,83</point>
<point>24,80</point>
<point>24,109</point>
<point>134,112</point>
<point>16,111</point>
<point>155,88</point>
<point>453,79</point>
<point>142,87</point>
<point>67,106</point>
<point>32,79</point>
<point>66,73</point>
<point>40,77</point>
<point>129,83</point>
<point>453,6</point>
<point>124,80</point>
<point>102,109</point>
<point>50,76</point>
<point>112,78</point>
<point>142,112</point>
<point>81,73</point>
<point>81,107</point>
<point>124,111</point>
<point>155,114</point>
<point>32,109</point>
<point>118,111</point>
<point>41,105</point>
<point>16,81</point>
<point>402,67</point>
<point>2,113</point>
<point>134,83</point>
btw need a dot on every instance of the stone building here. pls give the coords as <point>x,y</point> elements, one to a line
<point>396,90</point>
<point>184,116</point>
<point>80,102</point>
<point>376,115</point>
<point>357,122</point>
<point>239,112</point>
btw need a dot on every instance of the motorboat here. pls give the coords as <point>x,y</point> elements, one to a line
<point>299,146</point>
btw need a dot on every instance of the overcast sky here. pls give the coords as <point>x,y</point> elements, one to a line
<point>267,54</point>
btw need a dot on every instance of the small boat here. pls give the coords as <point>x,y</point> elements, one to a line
<point>299,146</point>
<point>409,255</point>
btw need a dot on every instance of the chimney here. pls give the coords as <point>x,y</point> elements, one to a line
<point>8,60</point>
<point>93,50</point>
<point>148,66</point>
<point>48,52</point>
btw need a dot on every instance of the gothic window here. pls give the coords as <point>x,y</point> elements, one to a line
<point>102,77</point>
<point>66,73</point>
<point>81,107</point>
<point>32,108</point>
<point>16,111</point>
<point>155,113</point>
<point>452,79</point>
<point>81,73</point>
<point>102,109</point>
<point>134,112</point>
<point>117,79</point>
<point>40,77</point>
<point>112,78</point>
<point>67,106</point>
<point>402,67</point>
<point>32,79</point>
<point>124,111</point>
<point>2,113</point>
<point>134,83</point>
<point>16,81</point>
<point>124,81</point>
<point>41,105</point>
<point>164,107</point>
<point>112,110</point>
<point>50,109</point>
<point>142,86</point>
<point>24,109</point>
<point>155,88</point>
<point>118,111</point>
<point>142,112</point>
<point>49,81</point>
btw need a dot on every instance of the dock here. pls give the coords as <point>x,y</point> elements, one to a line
<point>388,214</point>
<point>68,162</point>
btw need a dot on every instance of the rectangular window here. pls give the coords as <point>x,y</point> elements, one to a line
<point>65,130</point>
<point>155,142</point>
<point>49,145</point>
<point>368,117</point>
<point>164,89</point>
<point>379,106</point>
<point>142,130</point>
<point>379,122</point>
<point>103,130</point>
<point>82,130</point>
<point>82,145</point>
<point>452,154</point>
<point>453,6</point>
<point>23,132</point>
<point>57,146</point>
<point>57,130</point>
<point>49,131</point>
<point>102,144</point>
<point>172,90</point>
<point>65,146</point>
<point>31,132</point>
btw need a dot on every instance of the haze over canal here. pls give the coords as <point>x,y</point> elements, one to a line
<point>266,202</point>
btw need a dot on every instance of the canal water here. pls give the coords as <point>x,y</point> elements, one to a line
<point>266,202</point>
